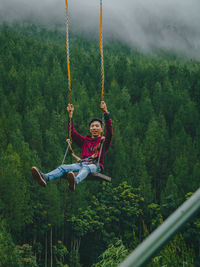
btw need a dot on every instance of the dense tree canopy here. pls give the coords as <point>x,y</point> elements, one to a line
<point>154,160</point>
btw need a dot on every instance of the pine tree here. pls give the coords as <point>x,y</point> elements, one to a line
<point>9,254</point>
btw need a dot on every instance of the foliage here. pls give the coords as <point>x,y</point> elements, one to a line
<point>60,252</point>
<point>26,253</point>
<point>154,160</point>
<point>9,255</point>
<point>114,255</point>
<point>175,254</point>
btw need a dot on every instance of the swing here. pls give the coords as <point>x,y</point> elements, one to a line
<point>97,175</point>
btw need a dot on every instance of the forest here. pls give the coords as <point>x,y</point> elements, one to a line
<point>154,159</point>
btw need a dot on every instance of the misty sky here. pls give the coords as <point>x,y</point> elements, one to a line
<point>170,24</point>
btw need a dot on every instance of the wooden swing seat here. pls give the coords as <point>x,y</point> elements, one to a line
<point>95,176</point>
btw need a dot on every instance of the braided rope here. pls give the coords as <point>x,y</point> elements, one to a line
<point>67,50</point>
<point>101,50</point>
<point>69,74</point>
<point>68,63</point>
<point>102,61</point>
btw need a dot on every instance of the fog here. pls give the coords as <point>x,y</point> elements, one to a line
<point>171,24</point>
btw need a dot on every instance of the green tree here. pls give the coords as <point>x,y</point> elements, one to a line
<point>13,191</point>
<point>156,154</point>
<point>27,255</point>
<point>176,253</point>
<point>9,255</point>
<point>170,196</point>
<point>114,255</point>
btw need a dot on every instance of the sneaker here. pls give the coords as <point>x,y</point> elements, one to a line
<point>71,181</point>
<point>39,176</point>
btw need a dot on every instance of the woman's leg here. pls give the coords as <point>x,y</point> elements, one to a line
<point>85,170</point>
<point>61,170</point>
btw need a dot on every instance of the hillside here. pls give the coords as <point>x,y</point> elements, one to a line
<point>154,160</point>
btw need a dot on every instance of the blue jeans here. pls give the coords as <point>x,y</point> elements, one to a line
<point>83,170</point>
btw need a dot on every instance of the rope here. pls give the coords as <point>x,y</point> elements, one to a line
<point>69,80</point>
<point>65,154</point>
<point>101,50</point>
<point>68,64</point>
<point>103,139</point>
<point>69,141</point>
<point>68,60</point>
<point>67,50</point>
<point>102,61</point>
<point>69,74</point>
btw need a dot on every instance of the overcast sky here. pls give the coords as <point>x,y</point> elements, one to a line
<point>170,24</point>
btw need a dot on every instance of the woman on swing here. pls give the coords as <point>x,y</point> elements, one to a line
<point>92,156</point>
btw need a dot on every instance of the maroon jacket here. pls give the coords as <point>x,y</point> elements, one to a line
<point>89,144</point>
